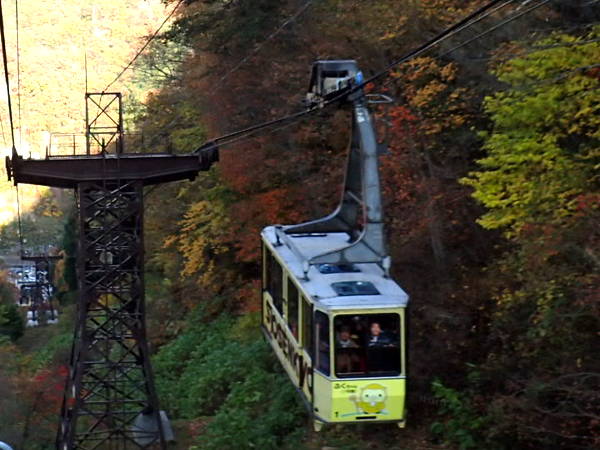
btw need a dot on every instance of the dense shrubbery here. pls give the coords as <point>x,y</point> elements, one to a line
<point>221,371</point>
<point>462,423</point>
<point>11,322</point>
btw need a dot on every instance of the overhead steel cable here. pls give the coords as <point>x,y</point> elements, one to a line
<point>259,47</point>
<point>19,223</point>
<point>220,83</point>
<point>471,19</point>
<point>558,29</point>
<point>2,130</point>
<point>10,115</point>
<point>141,50</point>
<point>18,75</point>
<point>467,21</point>
<point>489,30</point>
<point>6,78</point>
<point>497,26</point>
<point>482,17</point>
<point>525,51</point>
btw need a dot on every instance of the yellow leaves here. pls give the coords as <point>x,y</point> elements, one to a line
<point>170,241</point>
<point>540,152</point>
<point>201,239</point>
<point>427,94</point>
<point>389,35</point>
<point>426,68</point>
<point>430,90</point>
<point>432,127</point>
<point>448,72</point>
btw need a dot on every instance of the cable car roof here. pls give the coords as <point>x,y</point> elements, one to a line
<point>324,286</point>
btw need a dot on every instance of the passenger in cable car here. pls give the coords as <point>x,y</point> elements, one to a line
<point>382,349</point>
<point>376,349</point>
<point>347,359</point>
<point>378,338</point>
<point>345,339</point>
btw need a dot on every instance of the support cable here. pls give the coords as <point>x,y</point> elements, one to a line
<point>10,113</point>
<point>486,32</point>
<point>221,81</point>
<point>259,47</point>
<point>468,21</point>
<point>85,68</point>
<point>526,51</point>
<point>448,32</point>
<point>141,50</point>
<point>19,222</point>
<point>476,16</point>
<point>6,78</point>
<point>2,130</point>
<point>497,26</point>
<point>18,76</point>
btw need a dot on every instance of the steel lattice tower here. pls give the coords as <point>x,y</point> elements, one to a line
<point>110,381</point>
<point>110,402</point>
<point>40,291</point>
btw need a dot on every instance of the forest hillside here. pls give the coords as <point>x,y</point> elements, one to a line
<point>57,40</point>
<point>491,193</point>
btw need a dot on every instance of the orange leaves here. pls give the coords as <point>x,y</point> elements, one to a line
<point>279,205</point>
<point>587,203</point>
<point>278,201</point>
<point>427,94</point>
<point>241,167</point>
<point>39,397</point>
<point>246,297</point>
<point>402,115</point>
<point>431,91</point>
<point>448,72</point>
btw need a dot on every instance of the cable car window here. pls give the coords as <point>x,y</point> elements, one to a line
<point>292,306</point>
<point>322,342</point>
<point>267,268</point>
<point>347,288</point>
<point>367,345</point>
<point>327,269</point>
<point>275,283</point>
<point>307,321</point>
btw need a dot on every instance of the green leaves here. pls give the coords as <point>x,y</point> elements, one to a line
<point>225,370</point>
<point>11,322</point>
<point>462,425</point>
<point>544,141</point>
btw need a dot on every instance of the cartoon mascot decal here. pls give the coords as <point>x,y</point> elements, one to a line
<point>371,399</point>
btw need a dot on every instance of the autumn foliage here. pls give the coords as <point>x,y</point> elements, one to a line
<point>490,183</point>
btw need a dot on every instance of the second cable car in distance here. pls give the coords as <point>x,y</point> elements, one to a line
<point>331,312</point>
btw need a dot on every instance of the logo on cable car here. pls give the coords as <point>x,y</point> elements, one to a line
<point>303,369</point>
<point>371,399</point>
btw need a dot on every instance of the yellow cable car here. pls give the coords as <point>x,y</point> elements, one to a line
<point>331,312</point>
